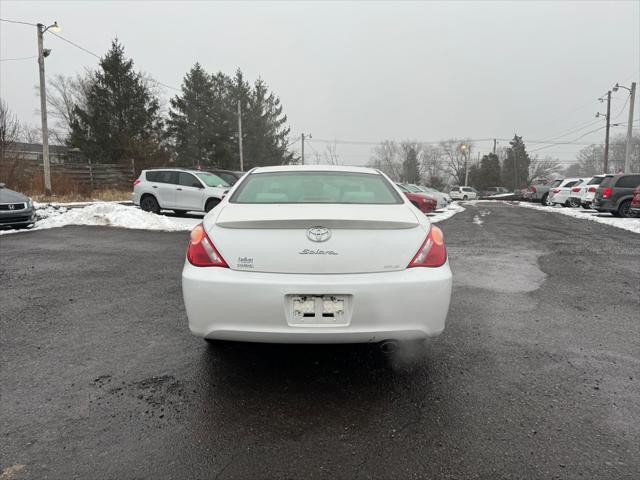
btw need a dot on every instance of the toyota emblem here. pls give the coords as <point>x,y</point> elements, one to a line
<point>318,234</point>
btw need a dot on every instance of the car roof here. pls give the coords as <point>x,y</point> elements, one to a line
<point>177,169</point>
<point>316,168</point>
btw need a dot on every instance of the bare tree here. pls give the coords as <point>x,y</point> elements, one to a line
<point>64,95</point>
<point>542,169</point>
<point>454,158</point>
<point>386,158</point>
<point>9,129</point>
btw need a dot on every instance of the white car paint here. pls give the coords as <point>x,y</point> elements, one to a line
<point>177,189</point>
<point>587,191</point>
<point>273,263</point>
<point>560,195</point>
<point>463,193</point>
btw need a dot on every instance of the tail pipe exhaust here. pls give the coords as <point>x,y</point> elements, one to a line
<point>389,346</point>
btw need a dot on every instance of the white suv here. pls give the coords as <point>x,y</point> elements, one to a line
<point>463,193</point>
<point>179,190</point>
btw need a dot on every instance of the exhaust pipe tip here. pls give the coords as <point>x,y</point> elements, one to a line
<point>389,346</point>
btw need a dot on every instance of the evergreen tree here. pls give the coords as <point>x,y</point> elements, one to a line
<point>120,121</point>
<point>515,168</point>
<point>191,120</point>
<point>410,163</point>
<point>487,174</point>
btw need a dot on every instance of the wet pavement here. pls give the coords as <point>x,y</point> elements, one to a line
<point>536,376</point>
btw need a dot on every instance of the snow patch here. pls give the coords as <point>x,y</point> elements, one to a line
<point>446,213</point>
<point>108,214</point>
<point>477,221</point>
<point>630,224</point>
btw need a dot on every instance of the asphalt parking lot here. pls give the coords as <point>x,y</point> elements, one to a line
<point>536,376</point>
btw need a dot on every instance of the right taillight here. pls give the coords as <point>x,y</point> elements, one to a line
<point>533,189</point>
<point>606,193</point>
<point>592,189</point>
<point>433,252</point>
<point>201,251</point>
<point>555,190</point>
<point>575,189</point>
<point>136,182</point>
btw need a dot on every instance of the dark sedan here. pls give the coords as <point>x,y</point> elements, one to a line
<point>16,209</point>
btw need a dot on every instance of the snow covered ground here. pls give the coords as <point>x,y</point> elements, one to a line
<point>446,213</point>
<point>107,214</point>
<point>114,214</point>
<point>631,224</point>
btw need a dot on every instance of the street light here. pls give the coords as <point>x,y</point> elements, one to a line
<point>464,148</point>
<point>42,54</point>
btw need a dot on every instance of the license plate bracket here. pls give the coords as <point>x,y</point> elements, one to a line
<point>318,310</point>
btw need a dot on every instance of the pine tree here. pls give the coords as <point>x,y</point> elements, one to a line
<point>191,120</point>
<point>515,168</point>
<point>120,121</point>
<point>410,163</point>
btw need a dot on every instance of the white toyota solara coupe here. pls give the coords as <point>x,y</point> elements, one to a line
<point>316,254</point>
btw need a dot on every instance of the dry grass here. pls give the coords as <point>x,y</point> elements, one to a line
<point>109,195</point>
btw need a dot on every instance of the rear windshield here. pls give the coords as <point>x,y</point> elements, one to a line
<point>556,183</point>
<point>316,187</point>
<point>595,181</point>
<point>230,178</point>
<point>606,181</point>
<point>571,184</point>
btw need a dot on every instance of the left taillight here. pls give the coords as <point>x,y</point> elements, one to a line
<point>433,252</point>
<point>575,189</point>
<point>201,251</point>
<point>136,182</point>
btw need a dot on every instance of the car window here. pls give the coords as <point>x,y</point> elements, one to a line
<point>628,181</point>
<point>606,181</point>
<point>162,176</point>
<point>402,188</point>
<point>151,176</point>
<point>212,180</point>
<point>188,180</point>
<point>571,184</point>
<point>595,181</point>
<point>412,188</point>
<point>316,187</point>
<point>556,183</point>
<point>229,178</point>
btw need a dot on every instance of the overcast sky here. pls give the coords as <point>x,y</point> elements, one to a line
<point>363,71</point>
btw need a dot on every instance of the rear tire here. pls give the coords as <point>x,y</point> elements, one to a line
<point>211,204</point>
<point>148,203</point>
<point>465,198</point>
<point>544,200</point>
<point>624,210</point>
<point>586,206</point>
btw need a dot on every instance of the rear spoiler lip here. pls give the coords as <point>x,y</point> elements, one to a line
<point>300,223</point>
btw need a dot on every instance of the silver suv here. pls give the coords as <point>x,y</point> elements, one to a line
<point>178,189</point>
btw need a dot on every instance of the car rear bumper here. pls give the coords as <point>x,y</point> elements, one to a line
<point>604,205</point>
<point>251,306</point>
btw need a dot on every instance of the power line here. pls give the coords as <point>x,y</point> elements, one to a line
<point>573,142</point>
<point>74,44</point>
<point>17,58</point>
<point>17,21</point>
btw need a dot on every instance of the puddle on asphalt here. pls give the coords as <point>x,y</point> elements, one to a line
<point>501,272</point>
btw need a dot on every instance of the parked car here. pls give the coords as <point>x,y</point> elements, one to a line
<point>180,190</point>
<point>326,255</point>
<point>635,202</point>
<point>582,195</point>
<point>16,209</point>
<point>229,176</point>
<point>540,191</point>
<point>615,194</point>
<point>439,196</point>
<point>560,195</point>
<point>423,202</point>
<point>491,191</point>
<point>463,193</point>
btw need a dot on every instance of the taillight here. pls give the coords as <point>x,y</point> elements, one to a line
<point>606,193</point>
<point>137,181</point>
<point>201,252</point>
<point>533,189</point>
<point>592,189</point>
<point>575,189</point>
<point>432,253</point>
<point>555,190</point>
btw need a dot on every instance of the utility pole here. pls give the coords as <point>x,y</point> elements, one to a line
<point>606,138</point>
<point>466,168</point>
<point>494,146</point>
<point>240,136</point>
<point>43,112</point>
<point>302,149</point>
<point>627,154</point>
